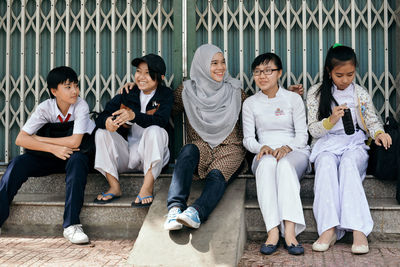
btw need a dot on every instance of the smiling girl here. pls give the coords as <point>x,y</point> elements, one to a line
<point>275,129</point>
<point>211,100</point>
<point>132,134</point>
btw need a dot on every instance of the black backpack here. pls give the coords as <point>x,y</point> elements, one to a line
<point>62,130</point>
<point>385,164</point>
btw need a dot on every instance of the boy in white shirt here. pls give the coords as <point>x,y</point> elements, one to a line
<point>62,155</point>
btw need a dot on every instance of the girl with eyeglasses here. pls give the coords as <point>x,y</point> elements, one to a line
<point>275,129</point>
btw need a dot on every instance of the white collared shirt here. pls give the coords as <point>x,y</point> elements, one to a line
<point>48,111</point>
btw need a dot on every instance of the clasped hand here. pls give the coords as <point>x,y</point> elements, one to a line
<point>276,153</point>
<point>63,152</point>
<point>121,117</point>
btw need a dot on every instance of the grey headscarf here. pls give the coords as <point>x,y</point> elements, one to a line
<point>211,107</point>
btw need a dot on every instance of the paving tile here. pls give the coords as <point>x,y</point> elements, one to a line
<point>56,251</point>
<point>381,254</point>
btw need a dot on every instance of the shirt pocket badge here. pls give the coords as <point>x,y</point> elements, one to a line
<point>279,112</point>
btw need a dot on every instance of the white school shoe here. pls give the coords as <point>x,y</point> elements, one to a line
<point>363,249</point>
<point>324,247</point>
<point>74,233</point>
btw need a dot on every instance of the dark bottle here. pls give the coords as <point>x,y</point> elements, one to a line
<point>348,122</point>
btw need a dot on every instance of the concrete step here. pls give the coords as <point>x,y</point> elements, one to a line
<point>385,213</point>
<point>39,205</point>
<point>96,183</point>
<point>42,215</point>
<point>374,188</point>
<point>131,183</point>
<point>218,242</point>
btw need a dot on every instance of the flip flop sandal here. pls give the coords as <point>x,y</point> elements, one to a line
<point>103,201</point>
<point>140,204</point>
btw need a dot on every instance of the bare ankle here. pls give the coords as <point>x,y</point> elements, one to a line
<point>273,236</point>
<point>326,236</point>
<point>359,238</point>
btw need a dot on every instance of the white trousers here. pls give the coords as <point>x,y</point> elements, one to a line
<point>115,155</point>
<point>278,189</point>
<point>340,199</point>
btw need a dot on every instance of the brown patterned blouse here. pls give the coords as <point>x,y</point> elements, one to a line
<point>226,157</point>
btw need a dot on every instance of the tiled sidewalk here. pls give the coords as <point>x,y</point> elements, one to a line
<point>56,251</point>
<point>383,254</point>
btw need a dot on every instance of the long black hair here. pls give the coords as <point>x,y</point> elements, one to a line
<point>337,55</point>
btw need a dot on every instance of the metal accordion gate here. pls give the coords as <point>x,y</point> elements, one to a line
<point>99,38</point>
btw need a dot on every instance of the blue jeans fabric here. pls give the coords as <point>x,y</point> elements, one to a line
<point>179,190</point>
<point>29,165</point>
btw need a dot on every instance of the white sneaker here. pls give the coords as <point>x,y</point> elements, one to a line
<point>190,218</point>
<point>171,223</point>
<point>75,234</point>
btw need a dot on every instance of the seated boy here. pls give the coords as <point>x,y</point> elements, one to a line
<point>63,106</point>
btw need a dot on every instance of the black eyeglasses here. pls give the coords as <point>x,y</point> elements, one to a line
<point>266,72</point>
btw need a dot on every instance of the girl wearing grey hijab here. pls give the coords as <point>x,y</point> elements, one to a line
<point>211,100</point>
<point>212,107</point>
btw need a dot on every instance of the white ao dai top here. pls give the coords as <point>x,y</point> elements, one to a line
<point>275,122</point>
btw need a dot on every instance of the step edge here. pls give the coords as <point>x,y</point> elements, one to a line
<point>253,204</point>
<point>169,175</point>
<point>86,203</point>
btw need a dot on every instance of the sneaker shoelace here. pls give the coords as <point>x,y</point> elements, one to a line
<point>172,215</point>
<point>77,228</point>
<point>192,213</point>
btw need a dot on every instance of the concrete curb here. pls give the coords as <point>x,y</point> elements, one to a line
<point>218,242</point>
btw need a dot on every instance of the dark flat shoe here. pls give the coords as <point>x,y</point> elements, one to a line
<point>294,249</point>
<point>268,249</point>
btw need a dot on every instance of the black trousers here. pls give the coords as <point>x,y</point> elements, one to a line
<point>29,165</point>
